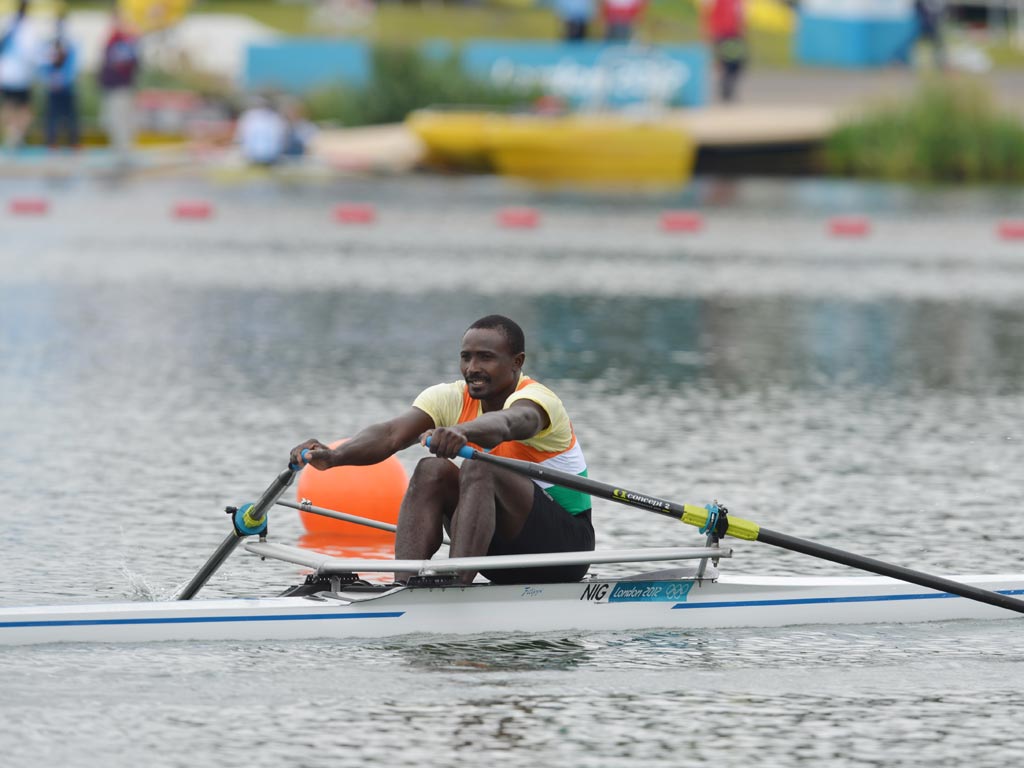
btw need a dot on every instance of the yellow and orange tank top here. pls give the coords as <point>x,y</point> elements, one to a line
<point>555,447</point>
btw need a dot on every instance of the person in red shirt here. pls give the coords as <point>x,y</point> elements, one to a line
<point>619,18</point>
<point>726,29</point>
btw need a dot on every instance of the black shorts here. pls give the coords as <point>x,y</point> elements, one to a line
<point>549,528</point>
<point>19,97</point>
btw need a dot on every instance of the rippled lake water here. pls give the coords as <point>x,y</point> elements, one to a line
<point>866,393</point>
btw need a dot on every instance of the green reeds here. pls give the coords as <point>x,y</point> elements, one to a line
<point>404,79</point>
<point>948,131</point>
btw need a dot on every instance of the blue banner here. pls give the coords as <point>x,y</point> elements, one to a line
<point>586,74</point>
<point>594,74</point>
<point>299,66</point>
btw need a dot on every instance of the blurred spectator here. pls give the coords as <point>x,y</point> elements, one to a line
<point>575,16</point>
<point>929,15</point>
<point>19,58</point>
<point>619,18</point>
<point>119,69</point>
<point>726,29</point>
<point>59,71</point>
<point>262,134</point>
<point>300,131</point>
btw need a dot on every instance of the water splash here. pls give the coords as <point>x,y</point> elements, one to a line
<point>138,587</point>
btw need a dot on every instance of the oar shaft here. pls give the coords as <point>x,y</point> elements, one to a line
<point>272,494</point>
<point>688,513</point>
<point>824,552</point>
<point>586,485</point>
<point>216,559</point>
<point>252,518</point>
<point>744,529</point>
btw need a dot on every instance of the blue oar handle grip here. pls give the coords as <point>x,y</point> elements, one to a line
<point>465,451</point>
<point>305,461</point>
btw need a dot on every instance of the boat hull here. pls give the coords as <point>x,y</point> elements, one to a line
<point>588,149</point>
<point>592,150</point>
<point>593,605</point>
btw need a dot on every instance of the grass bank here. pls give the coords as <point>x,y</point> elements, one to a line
<point>949,131</point>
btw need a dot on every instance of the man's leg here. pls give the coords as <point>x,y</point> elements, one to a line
<point>23,122</point>
<point>490,499</point>
<point>432,495</point>
<point>74,137</point>
<point>52,119</point>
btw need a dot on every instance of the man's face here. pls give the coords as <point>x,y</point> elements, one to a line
<point>487,363</point>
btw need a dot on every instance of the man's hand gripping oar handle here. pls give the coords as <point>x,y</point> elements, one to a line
<point>707,518</point>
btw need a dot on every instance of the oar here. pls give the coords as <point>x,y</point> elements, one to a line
<point>707,517</point>
<point>248,520</point>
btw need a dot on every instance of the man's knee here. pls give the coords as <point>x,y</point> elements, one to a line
<point>476,473</point>
<point>435,471</point>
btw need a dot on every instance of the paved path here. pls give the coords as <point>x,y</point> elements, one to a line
<point>845,89</point>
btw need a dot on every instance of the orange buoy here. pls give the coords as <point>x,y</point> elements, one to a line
<point>681,221</point>
<point>1012,230</point>
<point>355,213</point>
<point>373,491</point>
<point>192,209</point>
<point>849,226</point>
<point>518,218</point>
<point>29,206</point>
<point>336,545</point>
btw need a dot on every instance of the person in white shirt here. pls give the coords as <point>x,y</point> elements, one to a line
<point>19,60</point>
<point>262,134</point>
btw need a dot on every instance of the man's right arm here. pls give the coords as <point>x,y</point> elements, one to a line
<point>370,446</point>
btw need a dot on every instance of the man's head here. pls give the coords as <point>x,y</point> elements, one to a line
<point>508,328</point>
<point>492,355</point>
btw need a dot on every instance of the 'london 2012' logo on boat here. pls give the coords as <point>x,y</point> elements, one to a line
<point>638,592</point>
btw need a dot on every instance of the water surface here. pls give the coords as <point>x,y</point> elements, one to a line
<point>868,394</point>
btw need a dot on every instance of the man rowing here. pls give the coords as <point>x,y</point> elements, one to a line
<point>487,510</point>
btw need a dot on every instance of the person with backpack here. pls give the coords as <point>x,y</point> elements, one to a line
<point>119,68</point>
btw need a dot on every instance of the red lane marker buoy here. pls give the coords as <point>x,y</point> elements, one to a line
<point>681,221</point>
<point>849,226</point>
<point>1012,229</point>
<point>29,206</point>
<point>192,209</point>
<point>355,213</point>
<point>518,218</point>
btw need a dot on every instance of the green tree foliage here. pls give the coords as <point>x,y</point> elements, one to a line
<point>404,80</point>
<point>949,131</point>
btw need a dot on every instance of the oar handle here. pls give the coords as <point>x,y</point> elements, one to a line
<point>304,462</point>
<point>466,451</point>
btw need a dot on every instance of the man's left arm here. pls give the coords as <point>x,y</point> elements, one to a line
<point>520,421</point>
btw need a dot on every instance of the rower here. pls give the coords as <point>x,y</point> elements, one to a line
<point>486,510</point>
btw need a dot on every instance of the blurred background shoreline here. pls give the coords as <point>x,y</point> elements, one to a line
<point>809,99</point>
